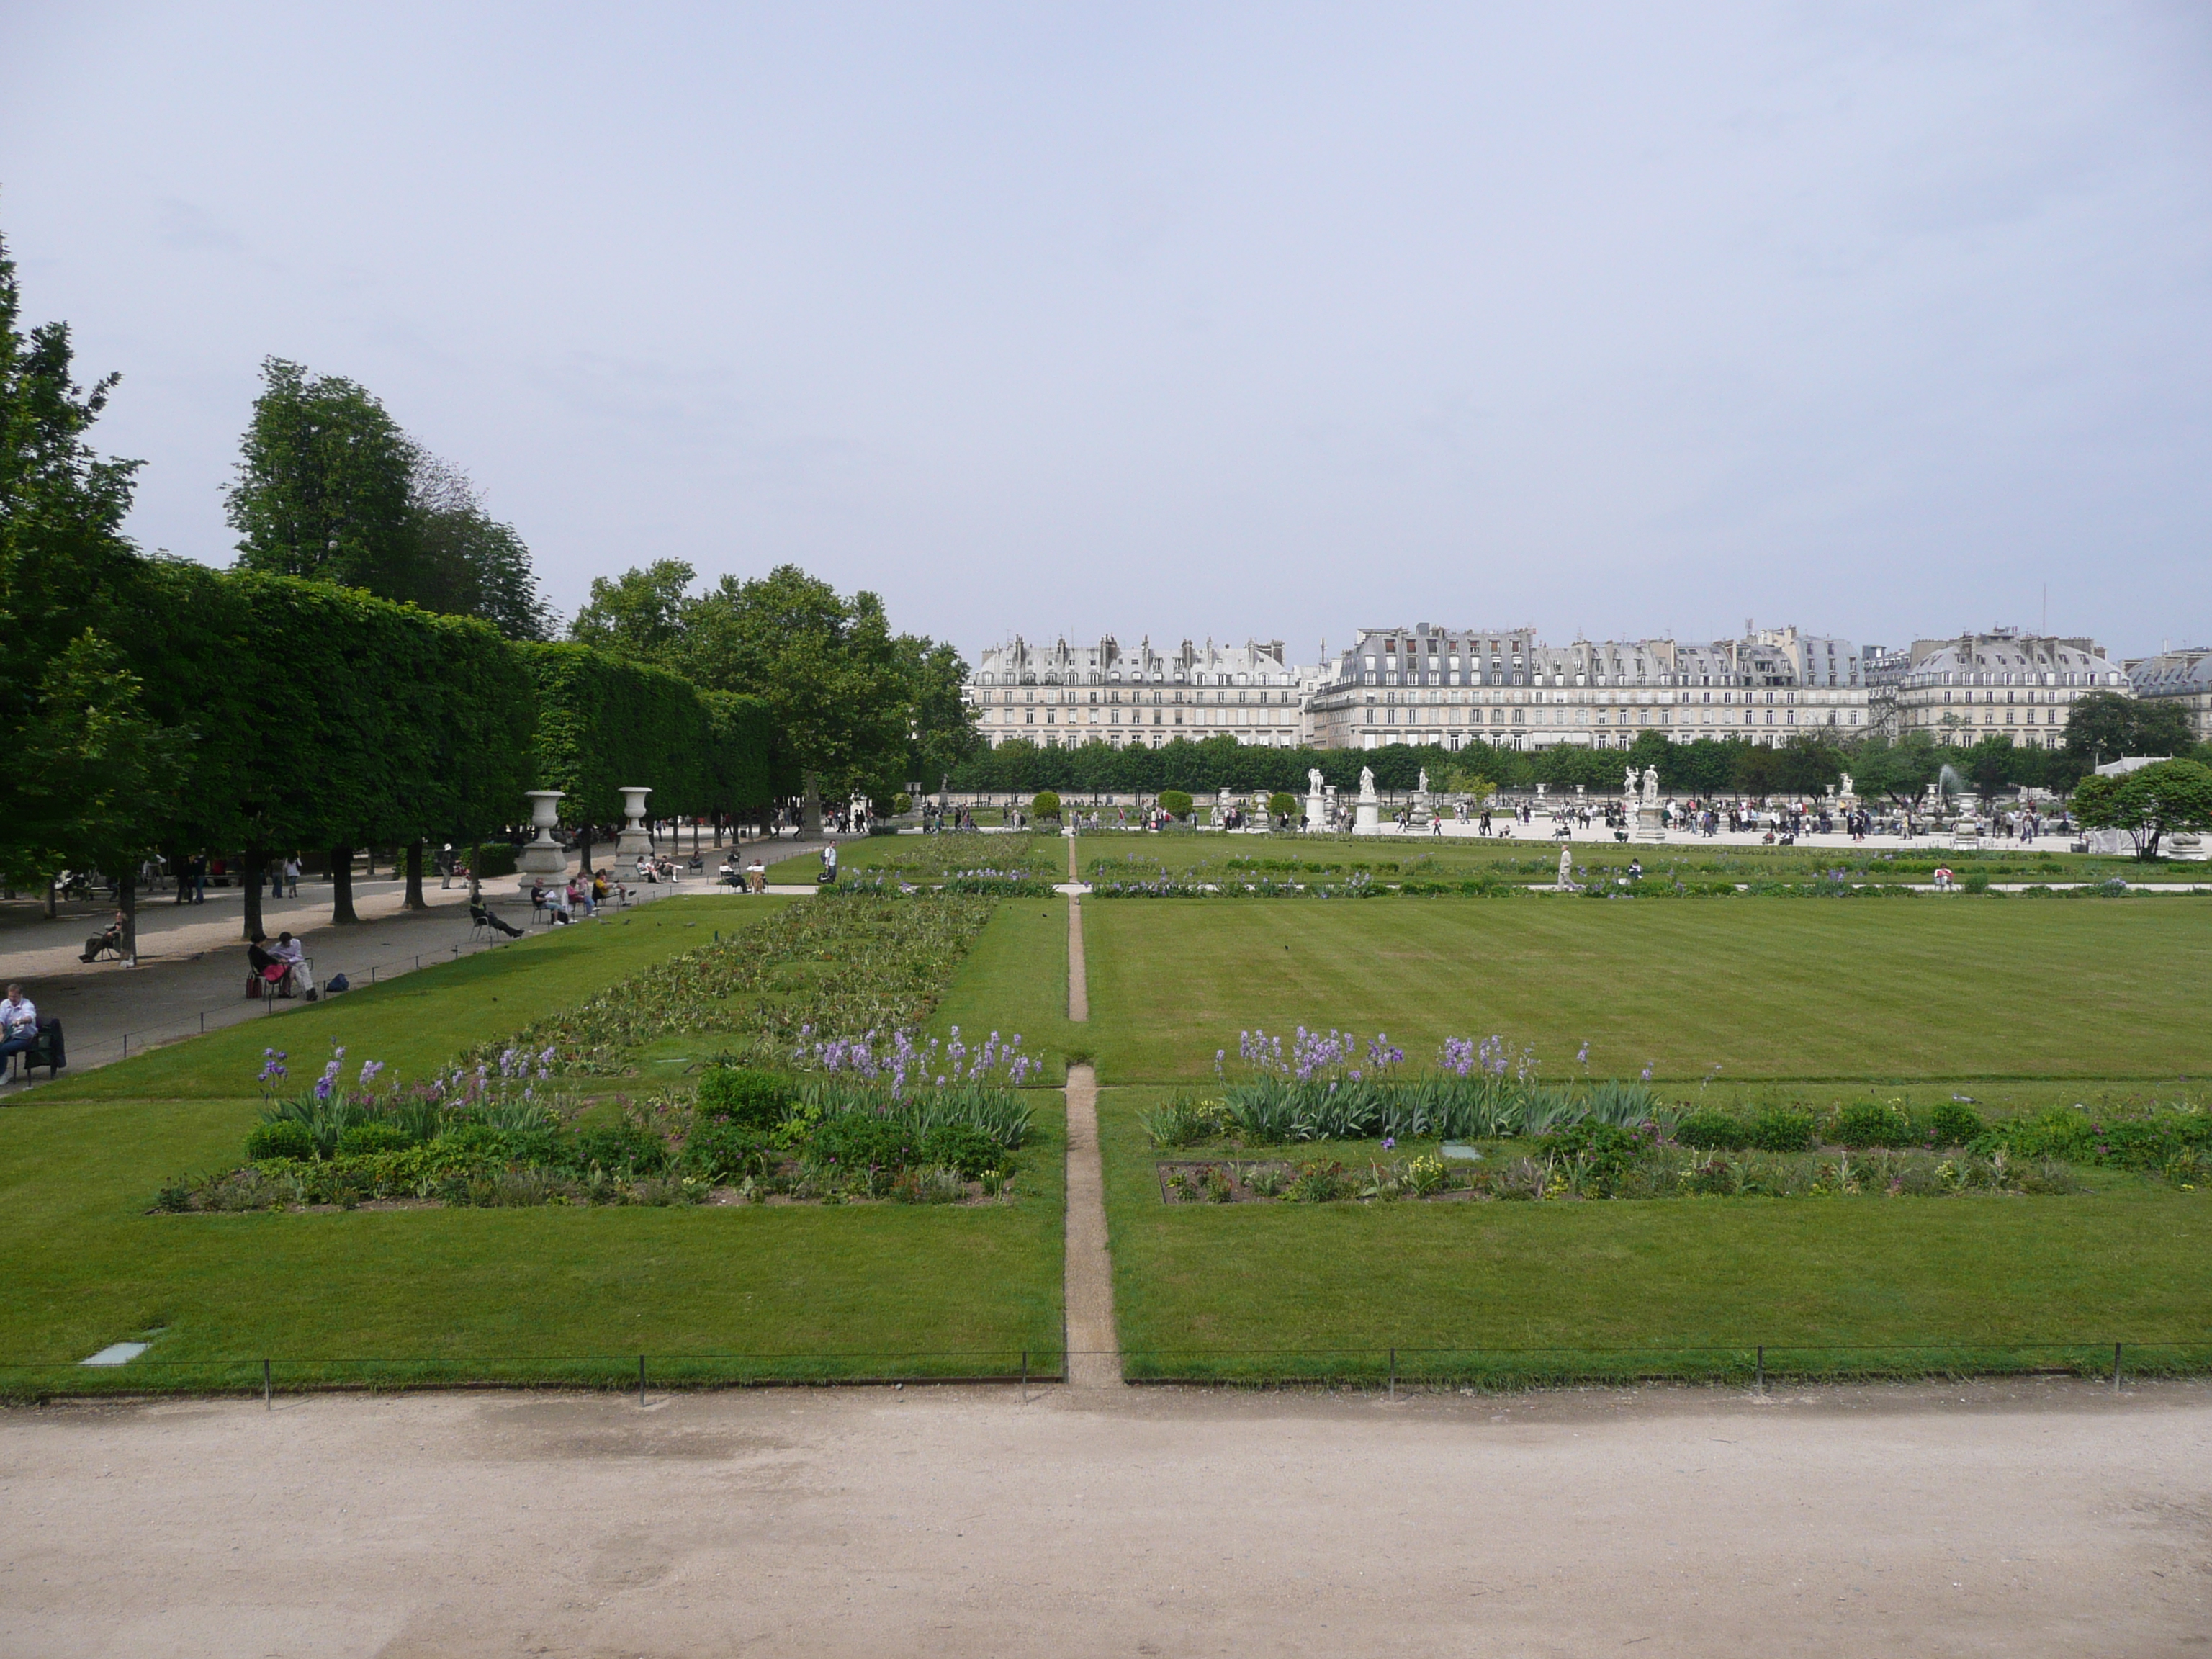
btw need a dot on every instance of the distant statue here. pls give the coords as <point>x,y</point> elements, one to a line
<point>1629,788</point>
<point>1367,783</point>
<point>1566,867</point>
<point>1651,786</point>
<point>1424,780</point>
<point>1313,784</point>
<point>1847,783</point>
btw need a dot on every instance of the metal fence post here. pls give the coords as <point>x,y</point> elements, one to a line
<point>1760,1362</point>
<point>264,1386</point>
<point>641,1381</point>
<point>1025,1375</point>
<point>2116,1368</point>
<point>1394,1373</point>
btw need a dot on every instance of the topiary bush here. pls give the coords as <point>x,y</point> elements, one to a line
<point>1283,804</point>
<point>284,1139</point>
<point>1954,1124</point>
<point>1174,803</point>
<point>1046,806</point>
<point>1865,1123</point>
<point>1713,1130</point>
<point>741,1095</point>
<point>1778,1129</point>
<point>902,803</point>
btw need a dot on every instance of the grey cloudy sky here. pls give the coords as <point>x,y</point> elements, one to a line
<point>1268,319</point>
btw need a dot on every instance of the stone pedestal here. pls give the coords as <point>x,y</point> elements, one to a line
<point>544,855</point>
<point>1317,812</point>
<point>1651,823</point>
<point>633,842</point>
<point>1367,817</point>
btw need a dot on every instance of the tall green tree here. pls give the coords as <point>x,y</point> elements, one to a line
<point>2106,726</point>
<point>468,564</point>
<point>324,486</point>
<point>90,776</point>
<point>2149,803</point>
<point>641,614</point>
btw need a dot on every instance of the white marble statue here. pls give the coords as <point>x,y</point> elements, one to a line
<point>1313,781</point>
<point>1629,788</point>
<point>1367,783</point>
<point>1424,780</point>
<point>1651,786</point>
<point>1847,784</point>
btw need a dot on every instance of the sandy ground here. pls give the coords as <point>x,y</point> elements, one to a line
<point>2020,1519</point>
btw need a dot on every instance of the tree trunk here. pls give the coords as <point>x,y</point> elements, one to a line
<point>584,850</point>
<point>255,860</point>
<point>415,900</point>
<point>368,862</point>
<point>54,896</point>
<point>342,911</point>
<point>476,884</point>
<point>127,898</point>
<point>809,808</point>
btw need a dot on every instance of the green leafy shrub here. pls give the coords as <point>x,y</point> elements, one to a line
<point>856,1142</point>
<point>1713,1130</point>
<point>741,1095</point>
<point>902,803</point>
<point>620,1149</point>
<point>1865,1123</point>
<point>1952,1123</point>
<point>1283,804</point>
<point>365,1139</point>
<point>1599,1152</point>
<point>283,1138</point>
<point>1174,803</point>
<point>728,1152</point>
<point>1046,806</point>
<point>959,1147</point>
<point>1778,1129</point>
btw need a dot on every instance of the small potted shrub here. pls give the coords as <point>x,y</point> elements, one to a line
<point>1046,806</point>
<point>1174,803</point>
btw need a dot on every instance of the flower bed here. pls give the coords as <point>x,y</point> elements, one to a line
<point>923,1124</point>
<point>1565,1168</point>
<point>839,965</point>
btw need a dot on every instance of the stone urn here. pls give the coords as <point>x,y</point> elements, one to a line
<point>633,842</point>
<point>544,855</point>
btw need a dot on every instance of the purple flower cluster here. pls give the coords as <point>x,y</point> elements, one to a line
<point>925,1065</point>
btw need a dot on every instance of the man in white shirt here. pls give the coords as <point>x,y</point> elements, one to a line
<point>286,949</point>
<point>19,1026</point>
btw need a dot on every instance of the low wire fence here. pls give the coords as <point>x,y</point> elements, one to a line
<point>642,1374</point>
<point>1752,1365</point>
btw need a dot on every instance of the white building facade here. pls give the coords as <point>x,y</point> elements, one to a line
<point>1452,686</point>
<point>1063,696</point>
<point>1962,690</point>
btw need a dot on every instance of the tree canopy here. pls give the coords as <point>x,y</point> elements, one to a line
<point>2149,803</point>
<point>329,488</point>
<point>858,707</point>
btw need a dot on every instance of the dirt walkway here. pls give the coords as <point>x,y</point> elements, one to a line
<point>2027,1520</point>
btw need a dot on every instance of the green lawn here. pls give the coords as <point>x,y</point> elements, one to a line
<point>1272,1289</point>
<point>1763,988</point>
<point>434,1294</point>
<point>1015,981</point>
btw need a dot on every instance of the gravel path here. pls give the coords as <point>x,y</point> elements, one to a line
<point>2021,1520</point>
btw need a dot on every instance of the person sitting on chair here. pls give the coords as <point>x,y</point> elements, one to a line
<point>292,964</point>
<point>481,916</point>
<point>110,940</point>
<point>19,1026</point>
<point>262,965</point>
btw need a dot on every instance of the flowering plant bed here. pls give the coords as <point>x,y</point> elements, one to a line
<point>1565,1168</point>
<point>838,966</point>
<point>926,1123</point>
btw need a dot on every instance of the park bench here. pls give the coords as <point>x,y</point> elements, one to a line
<point>46,1049</point>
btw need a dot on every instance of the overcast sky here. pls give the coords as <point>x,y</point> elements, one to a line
<point>1271,320</point>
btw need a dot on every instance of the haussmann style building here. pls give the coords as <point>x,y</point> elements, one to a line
<point>1972,686</point>
<point>1060,695</point>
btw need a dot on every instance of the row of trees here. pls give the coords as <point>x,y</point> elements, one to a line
<point>163,706</point>
<point>858,708</point>
<point>1901,772</point>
